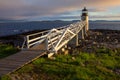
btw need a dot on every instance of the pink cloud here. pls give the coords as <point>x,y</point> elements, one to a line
<point>18,9</point>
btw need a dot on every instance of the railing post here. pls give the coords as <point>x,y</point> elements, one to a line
<point>27,42</point>
<point>23,43</point>
<point>46,43</point>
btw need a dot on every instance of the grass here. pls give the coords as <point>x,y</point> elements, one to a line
<point>6,50</point>
<point>101,65</point>
<point>5,77</point>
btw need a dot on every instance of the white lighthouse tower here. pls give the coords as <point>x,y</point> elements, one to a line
<point>84,17</point>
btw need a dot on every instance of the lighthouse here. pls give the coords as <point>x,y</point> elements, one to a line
<point>84,17</point>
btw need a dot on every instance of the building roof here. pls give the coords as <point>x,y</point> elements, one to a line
<point>84,9</point>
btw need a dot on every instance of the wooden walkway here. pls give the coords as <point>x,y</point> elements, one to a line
<point>16,61</point>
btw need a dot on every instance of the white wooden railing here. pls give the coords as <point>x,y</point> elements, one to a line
<point>55,38</point>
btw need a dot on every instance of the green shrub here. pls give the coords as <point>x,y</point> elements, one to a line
<point>6,50</point>
<point>5,77</point>
<point>39,61</point>
<point>25,69</point>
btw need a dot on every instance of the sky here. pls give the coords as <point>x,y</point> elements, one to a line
<point>38,10</point>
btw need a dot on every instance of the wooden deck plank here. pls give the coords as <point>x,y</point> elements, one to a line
<point>17,60</point>
<point>9,66</point>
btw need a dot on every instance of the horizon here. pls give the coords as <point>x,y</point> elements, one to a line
<point>17,21</point>
<point>50,10</point>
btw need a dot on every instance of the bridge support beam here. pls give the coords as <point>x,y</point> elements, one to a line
<point>77,40</point>
<point>50,55</point>
<point>82,35</point>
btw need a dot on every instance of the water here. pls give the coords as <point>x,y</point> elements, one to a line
<point>105,25</point>
<point>17,28</point>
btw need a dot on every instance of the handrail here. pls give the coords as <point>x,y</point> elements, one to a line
<point>46,31</point>
<point>56,37</point>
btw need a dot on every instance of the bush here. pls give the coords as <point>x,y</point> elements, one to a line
<point>5,77</point>
<point>6,50</point>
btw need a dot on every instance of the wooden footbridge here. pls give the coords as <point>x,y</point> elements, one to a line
<point>46,42</point>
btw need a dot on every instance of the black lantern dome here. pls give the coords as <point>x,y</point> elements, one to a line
<point>84,12</point>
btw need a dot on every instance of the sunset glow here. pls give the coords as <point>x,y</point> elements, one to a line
<point>33,10</point>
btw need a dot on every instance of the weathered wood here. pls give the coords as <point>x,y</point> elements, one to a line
<point>14,62</point>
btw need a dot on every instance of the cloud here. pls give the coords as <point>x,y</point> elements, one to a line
<point>28,9</point>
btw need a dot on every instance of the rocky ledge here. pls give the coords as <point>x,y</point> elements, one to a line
<point>100,38</point>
